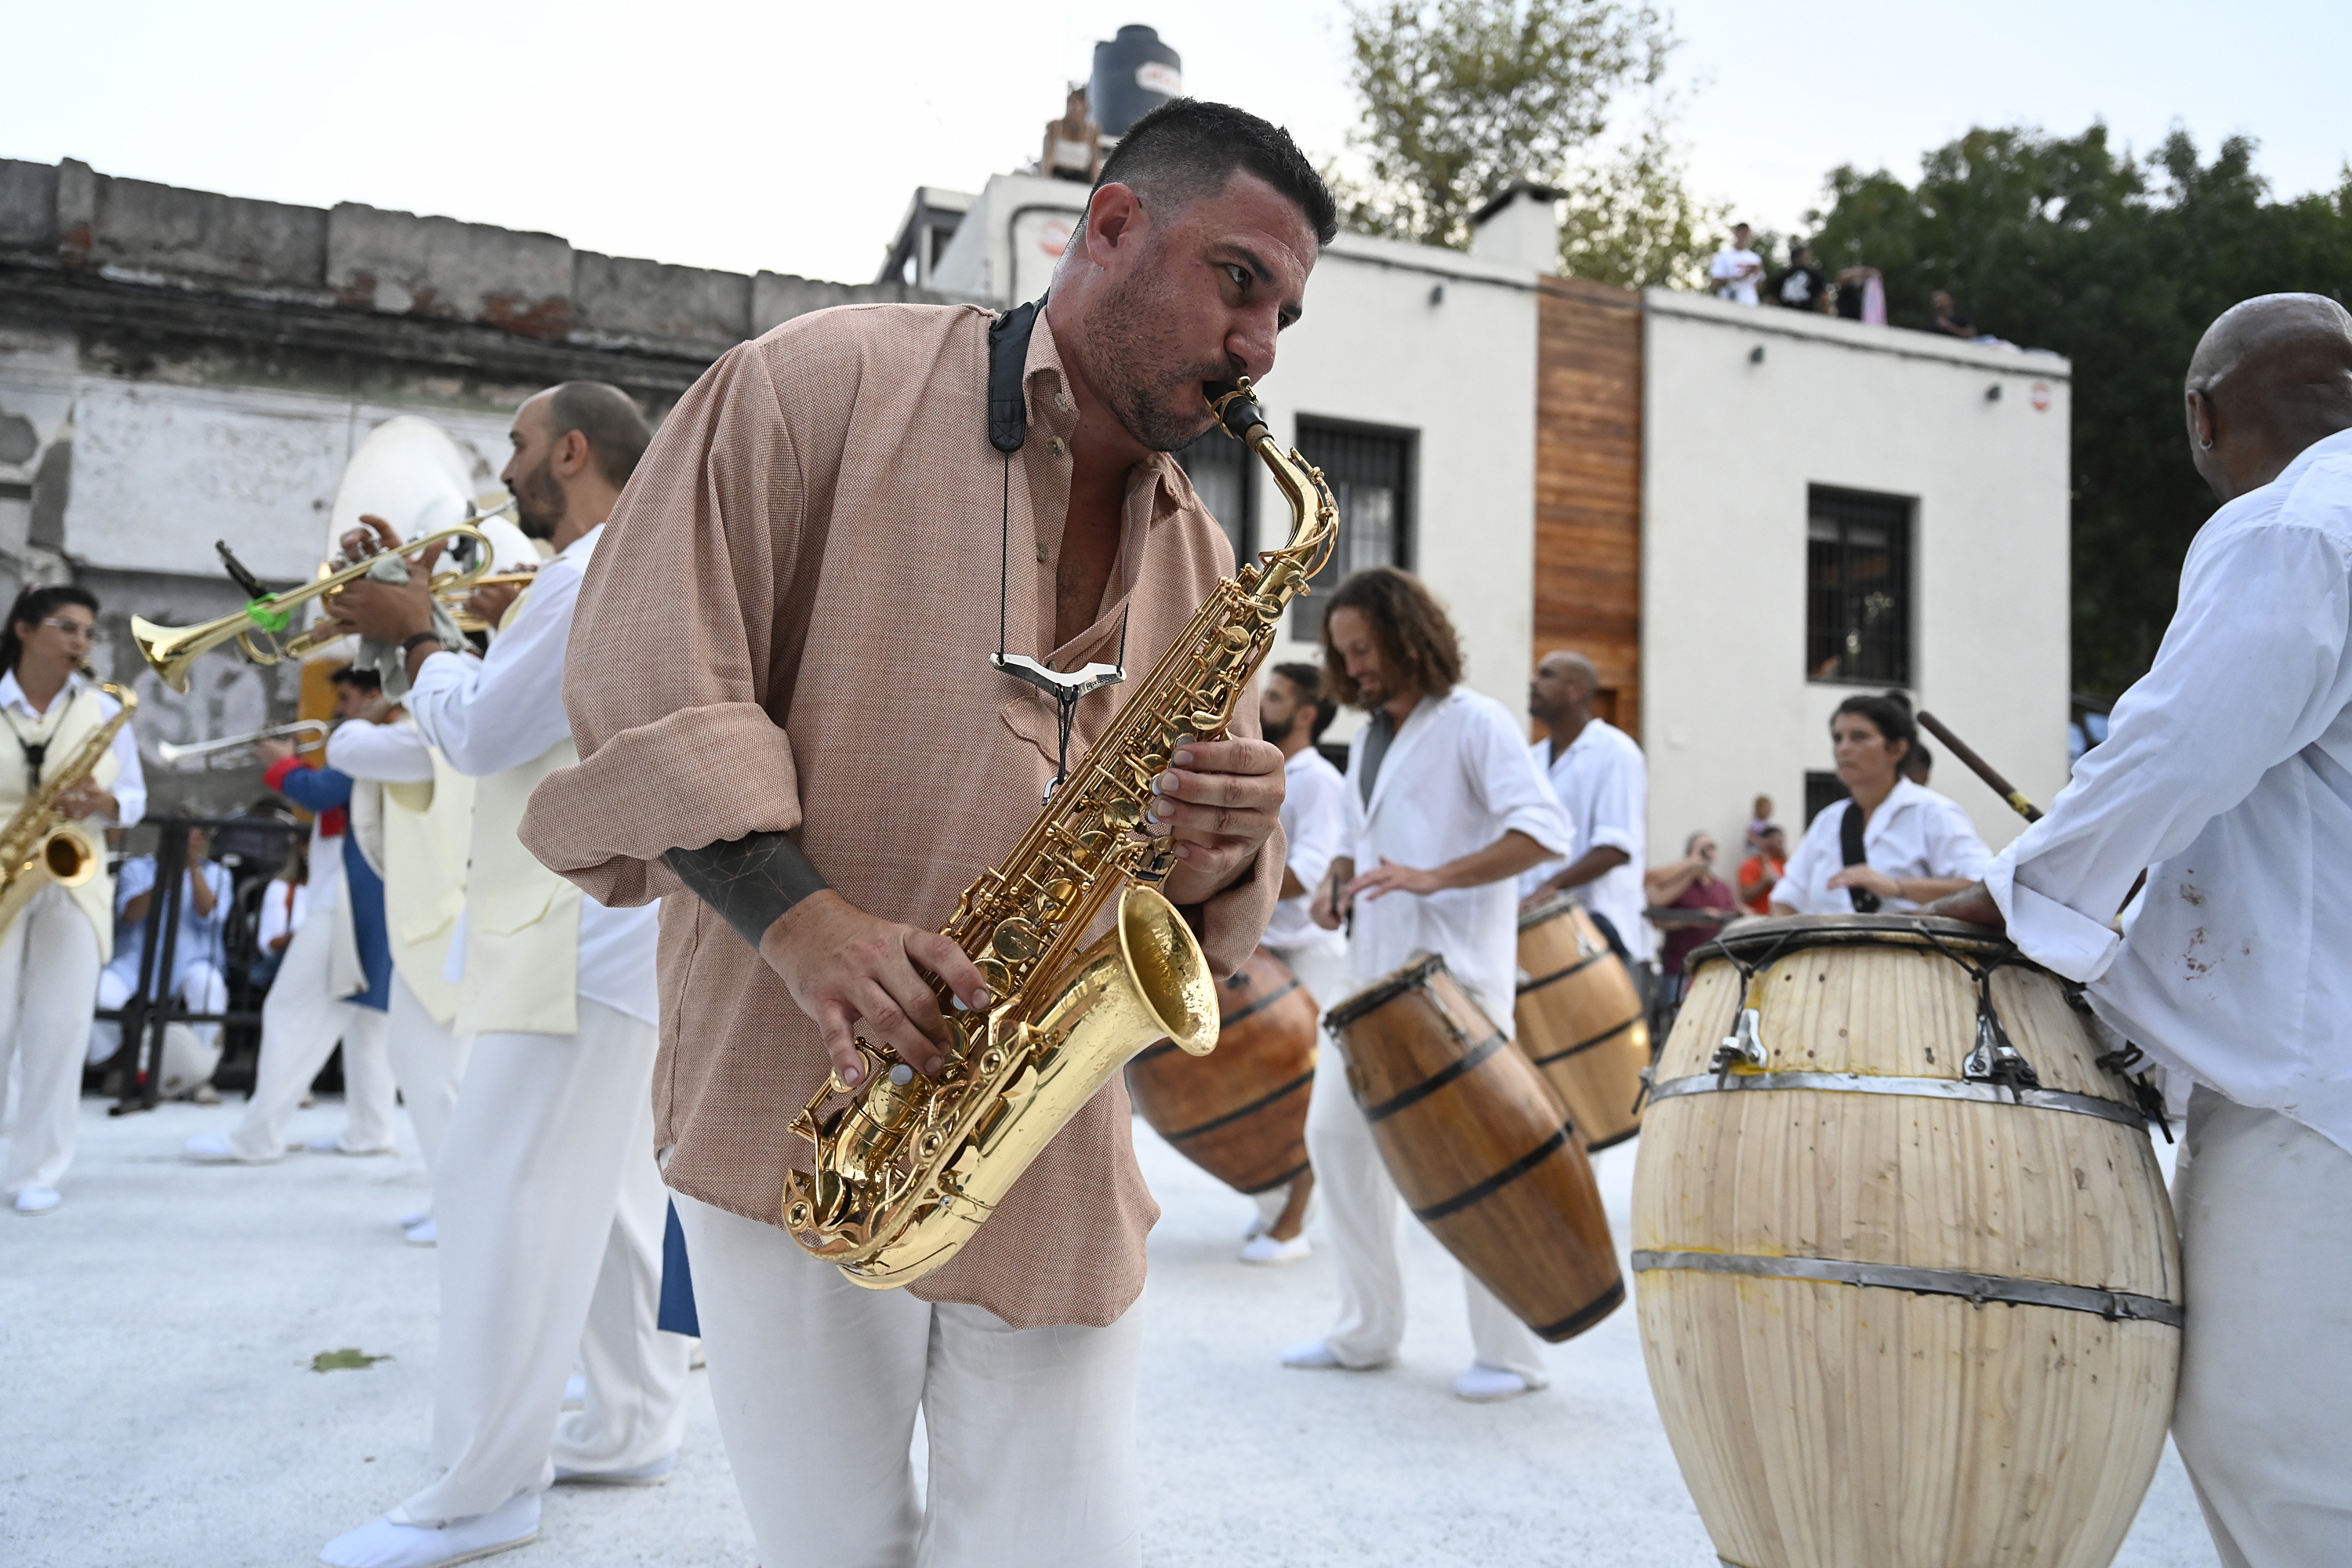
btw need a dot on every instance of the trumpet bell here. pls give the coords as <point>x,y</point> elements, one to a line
<point>172,651</point>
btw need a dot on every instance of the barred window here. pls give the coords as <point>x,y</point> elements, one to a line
<point>1220,470</point>
<point>1858,587</point>
<point>1821,792</point>
<point>1370,474</point>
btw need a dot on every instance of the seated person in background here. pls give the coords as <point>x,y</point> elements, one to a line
<point>1893,845</point>
<point>1951,320</point>
<point>199,967</point>
<point>1760,872</point>
<point>283,903</point>
<point>1689,883</point>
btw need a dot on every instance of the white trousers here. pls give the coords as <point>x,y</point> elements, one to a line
<point>1363,1220</point>
<point>202,986</point>
<point>817,1380</point>
<point>427,1062</point>
<point>550,1212</point>
<point>2265,1418</point>
<point>48,981</point>
<point>1323,971</point>
<point>300,1023</point>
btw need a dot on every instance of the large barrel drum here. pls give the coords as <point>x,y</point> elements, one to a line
<point>1581,1020</point>
<point>1480,1148</point>
<point>1907,1280</point>
<point>1239,1112</point>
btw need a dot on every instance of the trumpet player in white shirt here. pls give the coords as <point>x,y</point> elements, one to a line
<point>547,1201</point>
<point>2227,774</point>
<point>52,952</point>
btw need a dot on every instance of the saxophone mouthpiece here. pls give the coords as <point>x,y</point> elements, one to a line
<point>1234,403</point>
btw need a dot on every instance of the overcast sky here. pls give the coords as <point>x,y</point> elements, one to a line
<point>789,136</point>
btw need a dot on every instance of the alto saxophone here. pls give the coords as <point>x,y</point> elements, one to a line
<point>37,847</point>
<point>905,1172</point>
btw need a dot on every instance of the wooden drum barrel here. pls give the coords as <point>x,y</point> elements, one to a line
<point>1909,1286</point>
<point>1581,1020</point>
<point>1239,1112</point>
<point>1479,1148</point>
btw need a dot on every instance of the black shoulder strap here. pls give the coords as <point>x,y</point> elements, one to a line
<point>1008,351</point>
<point>1865,902</point>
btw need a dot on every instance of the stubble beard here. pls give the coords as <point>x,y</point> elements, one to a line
<point>539,503</point>
<point>1138,366</point>
<point>1274,733</point>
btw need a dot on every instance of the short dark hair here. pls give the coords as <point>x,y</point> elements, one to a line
<point>32,606</point>
<point>352,675</point>
<point>1889,713</point>
<point>1418,644</point>
<point>1307,681</point>
<point>615,431</point>
<point>1188,148</point>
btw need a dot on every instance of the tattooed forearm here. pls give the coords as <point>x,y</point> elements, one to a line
<point>749,881</point>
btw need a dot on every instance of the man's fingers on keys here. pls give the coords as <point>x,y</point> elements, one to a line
<point>888,1024</point>
<point>833,1020</point>
<point>943,958</point>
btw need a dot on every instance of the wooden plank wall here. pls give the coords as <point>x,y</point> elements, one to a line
<point>1589,486</point>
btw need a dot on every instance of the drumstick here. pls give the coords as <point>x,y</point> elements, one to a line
<point>1982,769</point>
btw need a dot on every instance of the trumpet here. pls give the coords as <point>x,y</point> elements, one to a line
<point>260,627</point>
<point>172,751</point>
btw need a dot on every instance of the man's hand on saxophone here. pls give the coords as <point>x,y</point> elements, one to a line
<point>1220,800</point>
<point>858,973</point>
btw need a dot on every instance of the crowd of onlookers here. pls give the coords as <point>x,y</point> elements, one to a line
<point>1744,275</point>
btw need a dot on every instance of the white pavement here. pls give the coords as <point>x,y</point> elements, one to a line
<point>157,1405</point>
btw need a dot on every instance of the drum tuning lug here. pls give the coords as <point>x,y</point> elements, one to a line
<point>1995,1060</point>
<point>1741,1047</point>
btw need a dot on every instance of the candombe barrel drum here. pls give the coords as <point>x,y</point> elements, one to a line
<point>1480,1148</point>
<point>1239,1112</point>
<point>1581,1020</point>
<point>1907,1274</point>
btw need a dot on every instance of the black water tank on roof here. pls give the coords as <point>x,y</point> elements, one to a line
<point>1134,73</point>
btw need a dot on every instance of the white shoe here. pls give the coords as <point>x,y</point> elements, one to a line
<point>383,1545</point>
<point>425,1232</point>
<point>1265,1249</point>
<point>335,1146</point>
<point>214,1149</point>
<point>1484,1384</point>
<point>410,1221</point>
<point>652,1474</point>
<point>37,1200</point>
<point>1317,1355</point>
<point>575,1391</point>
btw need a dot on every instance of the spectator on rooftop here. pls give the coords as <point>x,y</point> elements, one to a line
<point>1736,270</point>
<point>1802,285</point>
<point>1951,320</point>
<point>1862,295</point>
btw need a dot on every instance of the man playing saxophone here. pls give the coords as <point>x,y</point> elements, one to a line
<point>811,528</point>
<point>52,952</point>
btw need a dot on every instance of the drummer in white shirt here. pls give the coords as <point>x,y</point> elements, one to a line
<point>1893,845</point>
<point>2227,774</point>
<point>1444,809</point>
<point>1293,712</point>
<point>1604,784</point>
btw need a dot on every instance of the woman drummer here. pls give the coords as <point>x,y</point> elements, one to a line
<point>1893,845</point>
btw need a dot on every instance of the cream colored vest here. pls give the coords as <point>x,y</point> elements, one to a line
<point>522,921</point>
<point>425,832</point>
<point>71,716</point>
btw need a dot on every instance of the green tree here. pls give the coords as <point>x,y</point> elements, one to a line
<point>2119,263</point>
<point>1462,97</point>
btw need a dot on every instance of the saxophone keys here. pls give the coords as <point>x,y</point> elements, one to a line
<point>1015,940</point>
<point>1123,814</point>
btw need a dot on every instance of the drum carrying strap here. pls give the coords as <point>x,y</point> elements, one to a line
<point>1850,848</point>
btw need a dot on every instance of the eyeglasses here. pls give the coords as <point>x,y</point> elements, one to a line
<point>82,629</point>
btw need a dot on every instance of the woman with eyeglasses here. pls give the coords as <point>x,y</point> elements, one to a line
<point>51,953</point>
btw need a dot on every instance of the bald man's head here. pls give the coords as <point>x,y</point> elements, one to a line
<point>1562,692</point>
<point>2272,375</point>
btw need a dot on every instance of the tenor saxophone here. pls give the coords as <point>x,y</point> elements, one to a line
<point>905,1171</point>
<point>37,845</point>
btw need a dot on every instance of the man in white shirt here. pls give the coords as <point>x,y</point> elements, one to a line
<point>1293,712</point>
<point>53,950</point>
<point>1445,808</point>
<point>547,1198</point>
<point>1604,784</point>
<point>1733,272</point>
<point>2227,773</point>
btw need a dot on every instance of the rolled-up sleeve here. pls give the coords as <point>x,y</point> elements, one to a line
<point>1620,803</point>
<point>385,753</point>
<point>688,596</point>
<point>2243,681</point>
<point>1514,789</point>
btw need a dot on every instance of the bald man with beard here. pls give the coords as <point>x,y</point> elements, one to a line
<point>2227,773</point>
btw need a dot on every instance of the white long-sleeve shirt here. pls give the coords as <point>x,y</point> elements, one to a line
<point>381,754</point>
<point>1314,821</point>
<point>1914,832</point>
<point>1603,783</point>
<point>2227,772</point>
<point>1457,776</point>
<point>498,711</point>
<point>129,785</point>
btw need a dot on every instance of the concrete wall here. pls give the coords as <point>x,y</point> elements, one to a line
<point>1732,445</point>
<point>1428,342</point>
